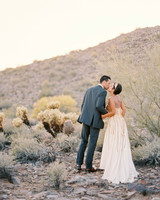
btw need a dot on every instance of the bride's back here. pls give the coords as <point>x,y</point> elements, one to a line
<point>117,101</point>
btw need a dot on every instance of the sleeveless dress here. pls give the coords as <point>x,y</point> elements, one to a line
<point>116,159</point>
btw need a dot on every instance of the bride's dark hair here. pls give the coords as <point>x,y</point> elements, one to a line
<point>117,88</point>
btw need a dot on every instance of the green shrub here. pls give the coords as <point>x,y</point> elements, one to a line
<point>5,104</point>
<point>8,127</point>
<point>29,150</point>
<point>148,153</point>
<point>6,165</point>
<point>67,104</point>
<point>3,141</point>
<point>57,174</point>
<point>67,143</point>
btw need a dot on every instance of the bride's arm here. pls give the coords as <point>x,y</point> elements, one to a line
<point>112,107</point>
<point>123,109</point>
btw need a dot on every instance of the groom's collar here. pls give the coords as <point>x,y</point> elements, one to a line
<point>101,85</point>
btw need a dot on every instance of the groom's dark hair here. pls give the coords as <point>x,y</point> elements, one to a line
<point>104,78</point>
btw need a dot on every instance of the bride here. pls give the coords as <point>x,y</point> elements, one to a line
<point>116,159</point>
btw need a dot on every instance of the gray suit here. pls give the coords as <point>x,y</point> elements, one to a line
<point>92,107</point>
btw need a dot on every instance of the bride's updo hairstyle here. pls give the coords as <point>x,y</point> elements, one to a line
<point>117,88</point>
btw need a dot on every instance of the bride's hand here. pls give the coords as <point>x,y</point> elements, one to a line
<point>102,116</point>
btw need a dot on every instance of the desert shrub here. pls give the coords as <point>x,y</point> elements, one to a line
<point>57,174</point>
<point>46,90</point>
<point>67,143</point>
<point>29,150</point>
<point>25,132</point>
<point>5,104</point>
<point>67,104</point>
<point>6,165</point>
<point>8,127</point>
<point>3,141</point>
<point>68,127</point>
<point>10,112</point>
<point>71,116</point>
<point>141,92</point>
<point>148,153</point>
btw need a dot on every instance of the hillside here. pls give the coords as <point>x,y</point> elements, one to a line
<point>73,73</point>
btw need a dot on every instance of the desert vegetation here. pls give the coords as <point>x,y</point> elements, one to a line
<point>38,121</point>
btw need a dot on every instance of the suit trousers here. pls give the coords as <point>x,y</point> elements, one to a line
<point>85,133</point>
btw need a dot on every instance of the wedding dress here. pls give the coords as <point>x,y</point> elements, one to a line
<point>116,159</point>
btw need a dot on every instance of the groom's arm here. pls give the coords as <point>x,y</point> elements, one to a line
<point>100,103</point>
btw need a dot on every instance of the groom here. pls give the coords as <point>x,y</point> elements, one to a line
<point>92,107</point>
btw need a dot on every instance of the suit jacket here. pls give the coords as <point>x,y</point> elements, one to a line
<point>93,106</point>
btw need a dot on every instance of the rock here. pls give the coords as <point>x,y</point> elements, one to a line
<point>106,197</point>
<point>4,196</point>
<point>15,180</point>
<point>131,194</point>
<point>81,191</point>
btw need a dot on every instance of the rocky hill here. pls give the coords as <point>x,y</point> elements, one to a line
<point>73,73</point>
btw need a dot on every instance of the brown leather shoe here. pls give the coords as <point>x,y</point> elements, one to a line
<point>91,170</point>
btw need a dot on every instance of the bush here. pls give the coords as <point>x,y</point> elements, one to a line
<point>57,174</point>
<point>8,127</point>
<point>3,141</point>
<point>141,91</point>
<point>46,90</point>
<point>5,104</point>
<point>29,150</point>
<point>67,144</point>
<point>10,112</point>
<point>148,153</point>
<point>6,165</point>
<point>67,104</point>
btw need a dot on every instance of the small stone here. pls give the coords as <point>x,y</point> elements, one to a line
<point>81,191</point>
<point>15,180</point>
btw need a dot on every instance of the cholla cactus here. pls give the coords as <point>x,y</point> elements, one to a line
<point>53,105</point>
<point>22,113</point>
<point>1,117</point>
<point>52,119</point>
<point>17,122</point>
<point>71,116</point>
<point>39,126</point>
<point>68,127</point>
<point>1,121</point>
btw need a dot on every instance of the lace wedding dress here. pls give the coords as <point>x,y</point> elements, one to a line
<point>116,159</point>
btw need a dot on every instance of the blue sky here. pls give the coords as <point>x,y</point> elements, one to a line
<point>38,29</point>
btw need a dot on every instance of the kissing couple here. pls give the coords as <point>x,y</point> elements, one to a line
<point>116,158</point>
